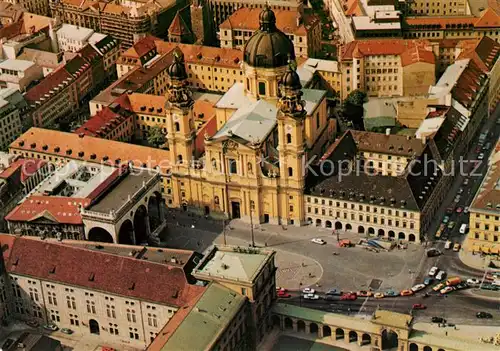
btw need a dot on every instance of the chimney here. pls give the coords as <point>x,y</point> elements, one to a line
<point>424,139</point>
<point>387,131</point>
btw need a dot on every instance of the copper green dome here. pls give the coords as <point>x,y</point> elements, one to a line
<point>291,79</point>
<point>177,70</point>
<point>268,47</point>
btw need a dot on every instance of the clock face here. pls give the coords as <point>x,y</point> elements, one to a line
<point>176,118</point>
<point>288,128</point>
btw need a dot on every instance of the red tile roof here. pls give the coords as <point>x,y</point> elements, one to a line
<point>29,167</point>
<point>413,50</point>
<point>63,210</point>
<point>209,128</point>
<point>178,26</point>
<point>484,53</point>
<point>468,84</point>
<point>113,274</point>
<point>44,88</point>
<point>488,19</point>
<point>102,123</point>
<point>442,22</point>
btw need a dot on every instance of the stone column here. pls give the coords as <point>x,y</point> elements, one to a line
<point>295,329</point>
<point>346,335</point>
<point>320,331</point>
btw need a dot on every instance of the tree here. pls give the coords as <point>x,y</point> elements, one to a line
<point>356,98</point>
<point>156,136</point>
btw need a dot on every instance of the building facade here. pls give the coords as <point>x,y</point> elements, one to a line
<point>18,74</point>
<point>437,8</point>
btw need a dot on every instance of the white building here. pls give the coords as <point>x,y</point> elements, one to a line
<point>73,38</point>
<point>18,74</point>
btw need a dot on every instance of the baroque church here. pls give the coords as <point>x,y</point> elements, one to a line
<point>268,128</point>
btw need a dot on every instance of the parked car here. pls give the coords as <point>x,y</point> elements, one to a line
<point>461,286</point>
<point>441,275</point>
<point>334,292</point>
<point>433,271</point>
<point>466,181</point>
<point>330,298</point>
<point>433,252</point>
<point>484,315</point>
<point>50,327</point>
<point>391,293</point>
<point>447,245</point>
<point>379,295</point>
<point>308,291</point>
<point>466,209</point>
<point>459,210</point>
<point>418,287</point>
<point>419,306</point>
<point>406,292</point>
<point>480,156</point>
<point>32,323</point>
<point>438,320</point>
<point>449,210</point>
<point>311,297</point>
<point>364,293</point>
<point>349,297</point>
<point>451,225</point>
<point>446,290</point>
<point>446,219</point>
<point>428,281</point>
<point>457,199</point>
<point>473,281</point>
<point>456,247</point>
<point>66,331</point>
<point>318,241</point>
<point>7,344</point>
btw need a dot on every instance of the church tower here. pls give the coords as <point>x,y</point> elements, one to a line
<point>180,119</point>
<point>292,143</point>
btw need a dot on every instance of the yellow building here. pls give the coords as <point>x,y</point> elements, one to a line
<point>387,67</point>
<point>438,8</point>
<point>304,30</point>
<point>253,166</point>
<point>484,212</point>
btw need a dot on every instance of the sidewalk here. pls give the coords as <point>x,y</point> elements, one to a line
<point>462,332</point>
<point>477,261</point>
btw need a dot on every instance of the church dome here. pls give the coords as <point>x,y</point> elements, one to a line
<point>268,47</point>
<point>291,79</point>
<point>177,69</point>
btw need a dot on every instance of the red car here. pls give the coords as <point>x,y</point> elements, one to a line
<point>419,306</point>
<point>283,294</point>
<point>349,297</point>
<point>459,210</point>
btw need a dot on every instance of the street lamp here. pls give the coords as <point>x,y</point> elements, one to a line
<point>251,222</point>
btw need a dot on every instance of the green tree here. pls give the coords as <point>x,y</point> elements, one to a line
<point>356,98</point>
<point>156,136</point>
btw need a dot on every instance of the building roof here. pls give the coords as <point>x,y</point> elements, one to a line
<point>367,23</point>
<point>234,98</point>
<point>178,26</point>
<point>147,104</point>
<point>468,84</point>
<point>440,22</point>
<point>41,58</point>
<point>113,274</point>
<point>398,145</point>
<point>210,317</point>
<point>16,64</point>
<point>487,198</point>
<point>56,209</point>
<point>48,87</point>
<point>411,51</point>
<point>485,53</point>
<point>288,21</point>
<point>28,166</point>
<point>76,33</point>
<point>105,120</point>
<point>95,150</point>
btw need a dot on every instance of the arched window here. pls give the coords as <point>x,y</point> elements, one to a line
<point>177,127</point>
<point>289,138</point>
<point>179,158</point>
<point>262,88</point>
<point>249,167</point>
<point>248,84</point>
<point>216,200</point>
<point>214,164</point>
<point>290,171</point>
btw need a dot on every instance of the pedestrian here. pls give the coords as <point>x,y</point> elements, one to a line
<point>446,333</point>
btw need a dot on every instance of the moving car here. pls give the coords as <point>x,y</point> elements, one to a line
<point>418,287</point>
<point>457,199</point>
<point>461,286</point>
<point>438,287</point>
<point>311,297</point>
<point>379,295</point>
<point>364,293</point>
<point>406,292</point>
<point>461,190</point>
<point>428,281</point>
<point>318,241</point>
<point>446,290</point>
<point>484,315</point>
<point>440,231</point>
<point>349,297</point>
<point>438,320</point>
<point>456,247</point>
<point>433,252</point>
<point>308,291</point>
<point>334,292</point>
<point>466,181</point>
<point>447,245</point>
<point>451,225</point>
<point>281,294</point>
<point>480,156</point>
<point>50,327</point>
<point>473,281</point>
<point>419,306</point>
<point>464,228</point>
<point>446,219</point>
<point>433,271</point>
<point>441,275</point>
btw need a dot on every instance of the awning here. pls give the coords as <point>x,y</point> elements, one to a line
<point>476,248</point>
<point>485,249</point>
<point>494,250</point>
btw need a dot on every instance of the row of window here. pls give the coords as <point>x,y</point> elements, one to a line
<point>360,207</point>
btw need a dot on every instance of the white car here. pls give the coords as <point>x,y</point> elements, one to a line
<point>308,291</point>
<point>473,281</point>
<point>318,241</point>
<point>311,297</point>
<point>418,287</point>
<point>440,275</point>
<point>446,290</point>
<point>480,156</point>
<point>433,271</point>
<point>466,209</point>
